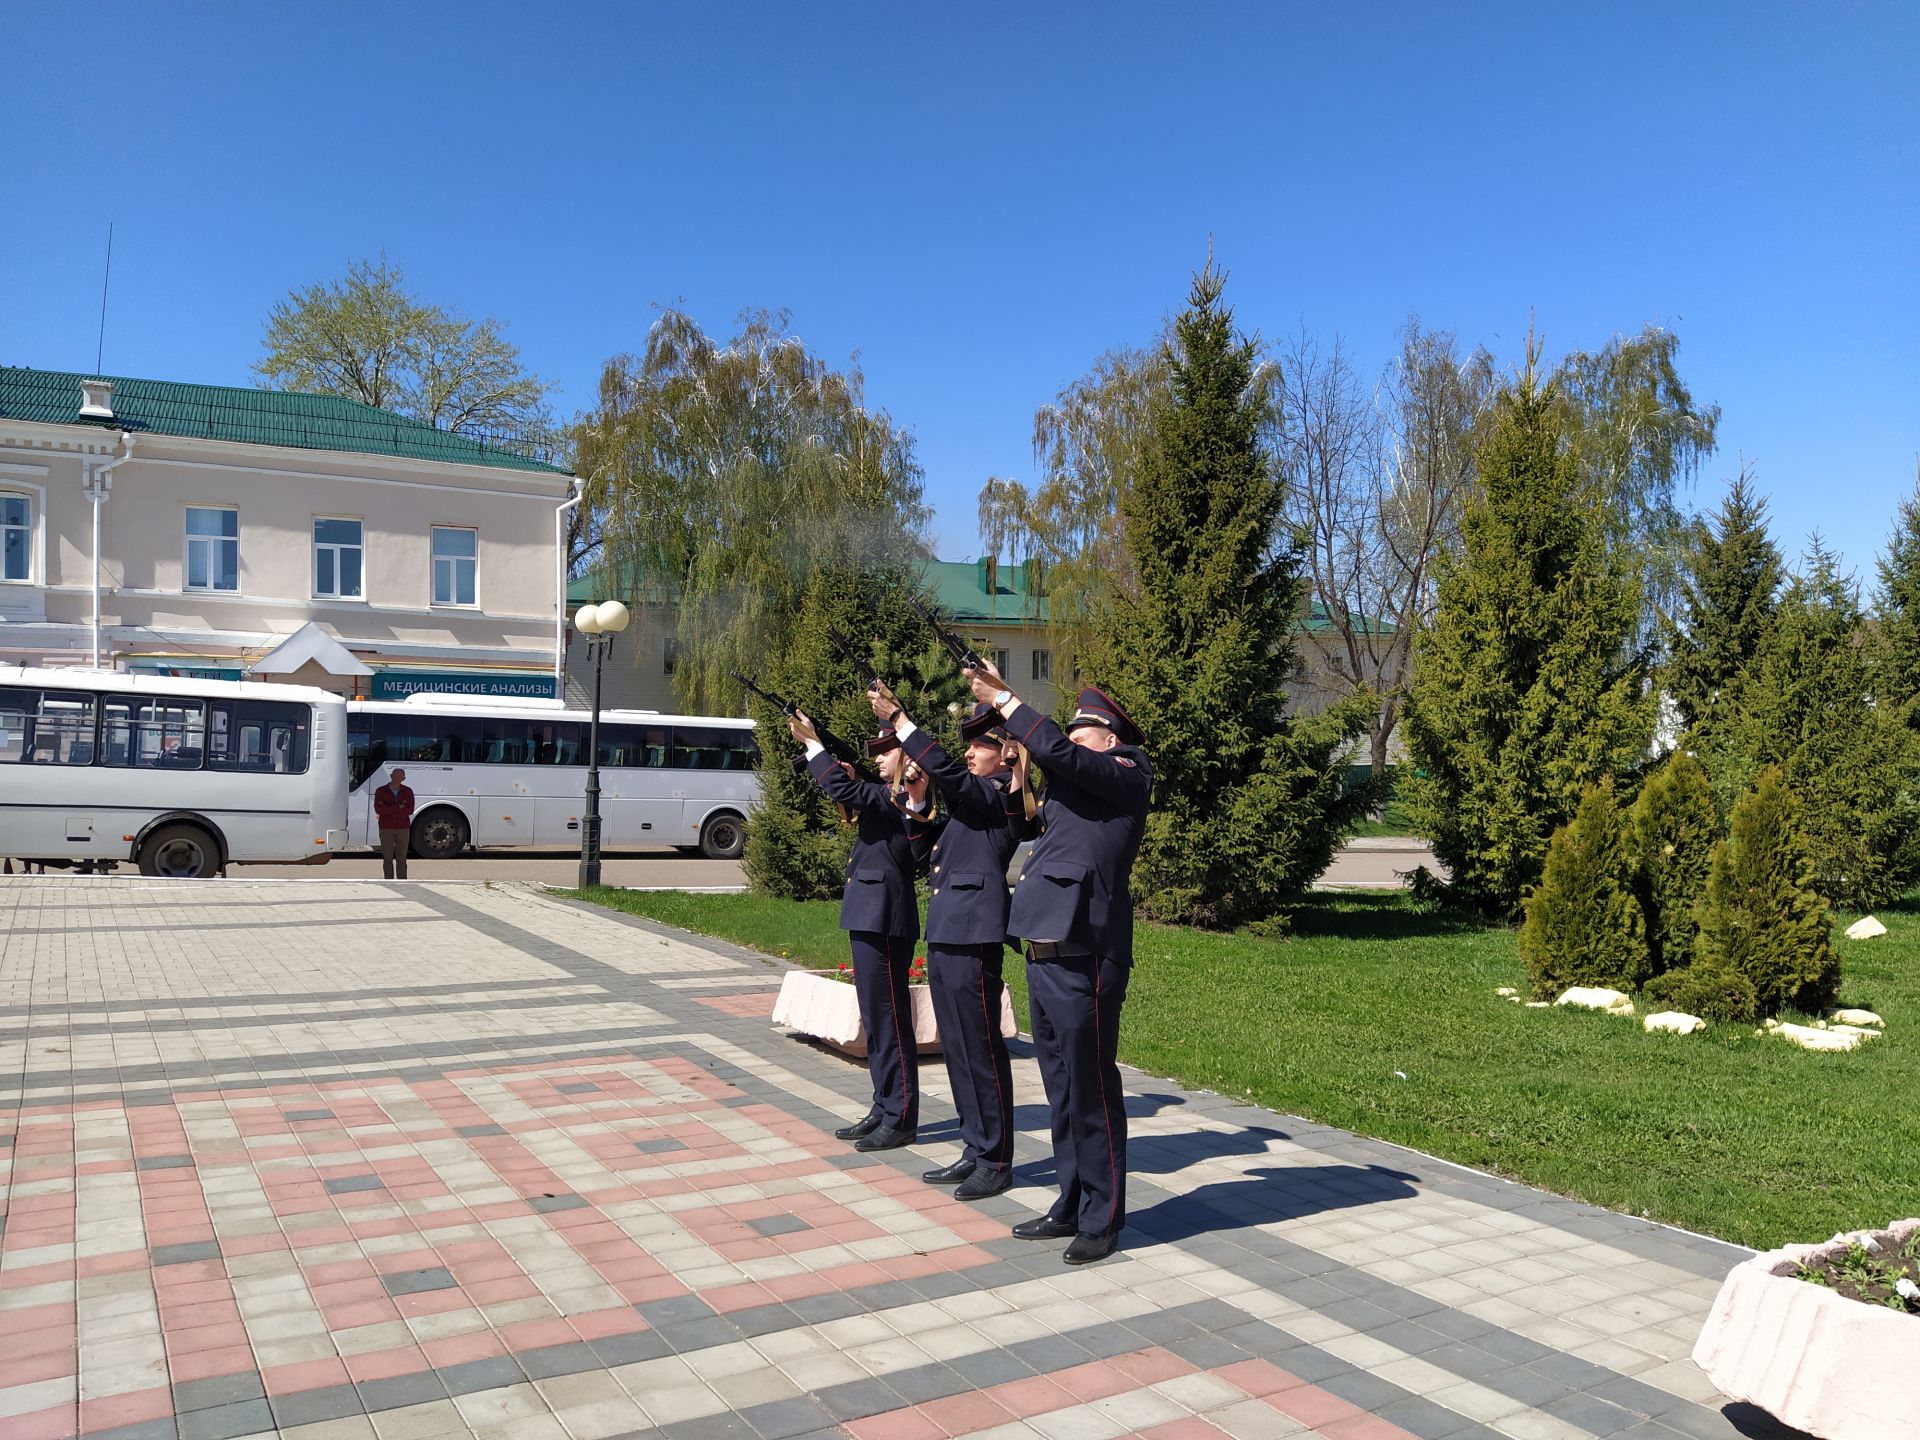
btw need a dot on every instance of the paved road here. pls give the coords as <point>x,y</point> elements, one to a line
<point>345,1161</point>
<point>1364,864</point>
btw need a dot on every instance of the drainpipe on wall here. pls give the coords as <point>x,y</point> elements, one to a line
<point>97,486</point>
<point>560,588</point>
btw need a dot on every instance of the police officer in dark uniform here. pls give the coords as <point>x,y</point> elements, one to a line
<point>966,938</point>
<point>881,916</point>
<point>1073,907</point>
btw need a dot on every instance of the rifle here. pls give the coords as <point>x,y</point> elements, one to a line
<point>967,658</point>
<point>964,655</point>
<point>835,746</point>
<point>853,655</point>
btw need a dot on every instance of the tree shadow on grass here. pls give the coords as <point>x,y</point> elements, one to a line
<point>1269,1197</point>
<point>1349,915</point>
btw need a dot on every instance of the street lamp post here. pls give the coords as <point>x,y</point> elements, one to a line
<point>599,623</point>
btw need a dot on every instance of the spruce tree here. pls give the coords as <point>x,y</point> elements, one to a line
<point>1524,690</point>
<point>1249,802</point>
<point>1584,922</point>
<point>1896,613</point>
<point>797,841</point>
<point>1807,706</point>
<point>1762,919</point>
<point>1673,827</point>
<point>1730,587</point>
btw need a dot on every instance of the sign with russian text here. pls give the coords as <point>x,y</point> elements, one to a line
<point>398,684</point>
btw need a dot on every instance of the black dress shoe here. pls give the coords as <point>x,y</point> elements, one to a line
<point>865,1125</point>
<point>1086,1248</point>
<point>885,1138</point>
<point>1045,1227</point>
<point>950,1174</point>
<point>984,1182</point>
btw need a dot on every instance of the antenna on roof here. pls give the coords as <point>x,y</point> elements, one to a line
<point>100,350</point>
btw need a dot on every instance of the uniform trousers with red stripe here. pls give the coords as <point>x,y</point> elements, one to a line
<point>1076,1003</point>
<point>965,983</point>
<point>880,965</point>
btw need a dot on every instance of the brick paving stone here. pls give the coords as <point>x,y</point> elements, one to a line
<point>536,1184</point>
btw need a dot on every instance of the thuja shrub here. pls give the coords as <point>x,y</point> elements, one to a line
<point>1584,924</point>
<point>1765,933</point>
<point>1673,827</point>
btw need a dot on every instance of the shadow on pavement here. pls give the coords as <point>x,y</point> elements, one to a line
<point>1266,1197</point>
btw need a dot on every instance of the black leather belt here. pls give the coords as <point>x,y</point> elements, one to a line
<point>1055,950</point>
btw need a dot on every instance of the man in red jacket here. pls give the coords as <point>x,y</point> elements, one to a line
<point>393,805</point>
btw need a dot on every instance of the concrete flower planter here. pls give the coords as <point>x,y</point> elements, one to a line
<point>1832,1366</point>
<point>826,1008</point>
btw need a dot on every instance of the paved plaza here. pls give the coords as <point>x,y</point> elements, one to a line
<point>342,1160</point>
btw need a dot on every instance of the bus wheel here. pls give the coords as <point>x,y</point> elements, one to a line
<point>180,852</point>
<point>440,834</point>
<point>723,838</point>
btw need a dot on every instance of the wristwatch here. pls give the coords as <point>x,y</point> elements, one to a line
<point>1002,698</point>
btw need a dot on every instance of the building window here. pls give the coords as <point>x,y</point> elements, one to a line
<point>456,561</point>
<point>16,538</point>
<point>670,656</point>
<point>213,548</point>
<point>337,556</point>
<point>1043,664</point>
<point>1002,662</point>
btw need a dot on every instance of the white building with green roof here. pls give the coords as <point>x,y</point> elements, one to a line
<point>200,529</point>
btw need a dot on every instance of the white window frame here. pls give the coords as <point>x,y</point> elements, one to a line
<point>453,563</point>
<point>1002,660</point>
<point>31,536</point>
<point>1042,664</point>
<point>337,550</point>
<point>210,541</point>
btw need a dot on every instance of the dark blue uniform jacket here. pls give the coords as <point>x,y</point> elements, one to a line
<point>1075,885</point>
<point>969,875</point>
<point>879,896</point>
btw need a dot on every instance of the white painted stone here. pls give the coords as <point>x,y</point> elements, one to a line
<point>1508,991</point>
<point>1539,1005</point>
<point>1808,1038</point>
<point>1814,1359</point>
<point>1866,928</point>
<point>1595,998</point>
<point>1856,1017</point>
<point>1859,1030</point>
<point>1675,1021</point>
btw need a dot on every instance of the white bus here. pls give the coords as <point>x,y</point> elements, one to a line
<point>490,773</point>
<point>181,777</point>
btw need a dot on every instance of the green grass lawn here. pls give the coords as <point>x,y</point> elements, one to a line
<point>1393,822</point>
<point>1746,1138</point>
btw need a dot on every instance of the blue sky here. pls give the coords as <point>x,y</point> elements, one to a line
<point>979,200</point>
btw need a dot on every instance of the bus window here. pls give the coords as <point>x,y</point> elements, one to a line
<point>268,736</point>
<point>16,708</point>
<point>621,747</point>
<point>556,742</point>
<point>155,732</point>
<point>656,744</point>
<point>364,754</point>
<point>504,741</point>
<point>703,749</point>
<point>460,738</point>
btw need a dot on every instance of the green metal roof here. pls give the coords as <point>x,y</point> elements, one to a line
<point>982,592</point>
<point>248,417</point>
